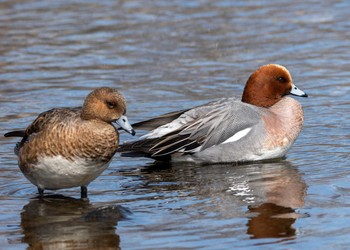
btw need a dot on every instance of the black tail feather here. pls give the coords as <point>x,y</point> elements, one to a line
<point>16,133</point>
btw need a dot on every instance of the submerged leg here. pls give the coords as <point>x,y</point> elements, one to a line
<point>83,193</point>
<point>41,192</point>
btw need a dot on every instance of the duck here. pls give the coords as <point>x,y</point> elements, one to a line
<point>70,147</point>
<point>260,126</point>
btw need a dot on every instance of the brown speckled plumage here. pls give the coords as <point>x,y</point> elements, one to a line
<point>82,134</point>
<point>66,134</point>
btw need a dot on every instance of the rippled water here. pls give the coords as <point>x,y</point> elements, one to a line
<point>163,56</point>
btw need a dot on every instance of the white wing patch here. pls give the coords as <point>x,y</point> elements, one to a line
<point>239,135</point>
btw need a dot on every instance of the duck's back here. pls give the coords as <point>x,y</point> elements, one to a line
<point>62,132</point>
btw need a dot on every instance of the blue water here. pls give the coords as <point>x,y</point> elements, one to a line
<point>164,56</point>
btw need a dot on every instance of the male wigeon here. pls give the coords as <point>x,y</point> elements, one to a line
<point>263,125</point>
<point>70,147</point>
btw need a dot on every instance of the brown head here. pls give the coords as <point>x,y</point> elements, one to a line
<point>108,105</point>
<point>268,85</point>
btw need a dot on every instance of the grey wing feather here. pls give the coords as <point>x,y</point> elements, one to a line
<point>197,129</point>
<point>212,125</point>
<point>158,121</point>
<point>222,123</point>
<point>194,113</point>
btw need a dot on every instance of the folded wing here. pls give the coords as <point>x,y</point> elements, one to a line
<point>196,130</point>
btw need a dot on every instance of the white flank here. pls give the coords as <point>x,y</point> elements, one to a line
<point>270,154</point>
<point>239,135</point>
<point>57,172</point>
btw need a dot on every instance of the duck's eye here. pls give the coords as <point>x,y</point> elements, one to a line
<point>282,79</point>
<point>110,105</point>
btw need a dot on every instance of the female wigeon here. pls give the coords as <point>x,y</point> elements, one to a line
<point>263,125</point>
<point>70,147</point>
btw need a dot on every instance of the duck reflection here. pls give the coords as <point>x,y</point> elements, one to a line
<point>282,191</point>
<point>271,192</point>
<point>58,222</point>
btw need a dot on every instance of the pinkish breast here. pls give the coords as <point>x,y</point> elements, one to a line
<point>283,123</point>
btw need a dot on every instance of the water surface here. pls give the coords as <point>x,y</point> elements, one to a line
<point>168,55</point>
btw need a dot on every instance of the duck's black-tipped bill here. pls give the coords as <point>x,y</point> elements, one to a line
<point>297,92</point>
<point>124,124</point>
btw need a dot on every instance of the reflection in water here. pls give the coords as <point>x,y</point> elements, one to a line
<point>271,191</point>
<point>168,55</point>
<point>59,222</point>
<point>268,223</point>
<point>283,191</point>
